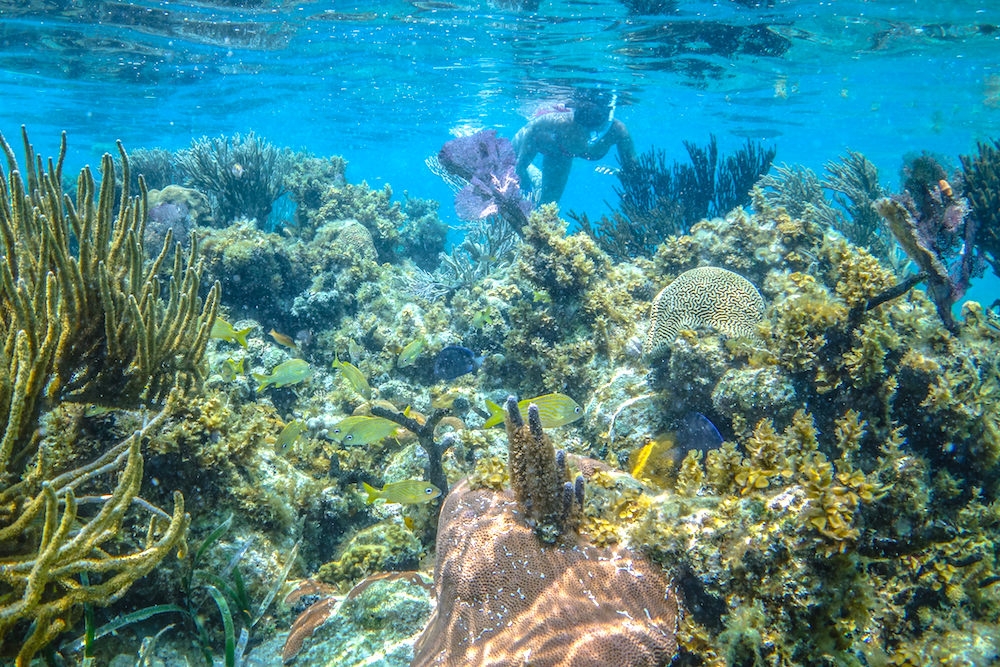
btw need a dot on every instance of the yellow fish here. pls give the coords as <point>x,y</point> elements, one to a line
<point>656,460</point>
<point>641,457</point>
<point>354,377</point>
<point>288,372</point>
<point>407,492</point>
<point>282,339</point>
<point>410,352</point>
<point>289,435</point>
<point>231,369</point>
<point>554,409</point>
<point>223,330</point>
<point>362,430</point>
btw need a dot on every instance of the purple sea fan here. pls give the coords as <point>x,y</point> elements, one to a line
<point>494,195</point>
<point>481,154</point>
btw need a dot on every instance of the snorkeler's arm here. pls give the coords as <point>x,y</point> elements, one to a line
<point>524,148</point>
<point>626,147</point>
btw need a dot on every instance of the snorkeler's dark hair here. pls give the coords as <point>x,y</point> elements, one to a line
<point>590,106</point>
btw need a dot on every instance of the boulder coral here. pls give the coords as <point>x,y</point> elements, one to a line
<point>506,597</point>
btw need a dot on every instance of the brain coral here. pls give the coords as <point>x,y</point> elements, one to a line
<point>704,297</point>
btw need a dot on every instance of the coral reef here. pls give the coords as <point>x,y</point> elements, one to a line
<point>395,232</point>
<point>84,319</point>
<point>850,422</point>
<point>307,180</point>
<point>854,183</point>
<point>384,547</point>
<point>814,469</point>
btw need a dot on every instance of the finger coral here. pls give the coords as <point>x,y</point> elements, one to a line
<point>704,297</point>
<point>506,598</point>
<point>83,316</point>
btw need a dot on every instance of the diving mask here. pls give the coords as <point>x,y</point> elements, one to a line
<point>602,130</point>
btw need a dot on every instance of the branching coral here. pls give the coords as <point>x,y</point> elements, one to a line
<point>982,186</point>
<point>56,560</point>
<point>87,324</point>
<point>854,182</point>
<point>243,175</point>
<point>658,200</point>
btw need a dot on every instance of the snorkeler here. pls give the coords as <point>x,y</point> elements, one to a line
<point>585,127</point>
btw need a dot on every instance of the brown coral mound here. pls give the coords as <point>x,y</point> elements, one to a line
<point>504,598</point>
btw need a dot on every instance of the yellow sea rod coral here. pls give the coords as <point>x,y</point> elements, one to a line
<point>704,297</point>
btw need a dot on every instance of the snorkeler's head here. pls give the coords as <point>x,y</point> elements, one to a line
<point>592,108</point>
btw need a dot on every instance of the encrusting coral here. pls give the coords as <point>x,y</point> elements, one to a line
<point>505,597</point>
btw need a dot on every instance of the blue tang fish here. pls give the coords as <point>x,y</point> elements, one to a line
<point>455,361</point>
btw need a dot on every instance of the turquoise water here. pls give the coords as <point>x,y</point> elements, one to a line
<point>386,83</point>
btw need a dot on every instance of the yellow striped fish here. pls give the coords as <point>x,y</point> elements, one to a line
<point>289,434</point>
<point>407,492</point>
<point>354,377</point>
<point>554,409</point>
<point>361,430</point>
<point>409,353</point>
